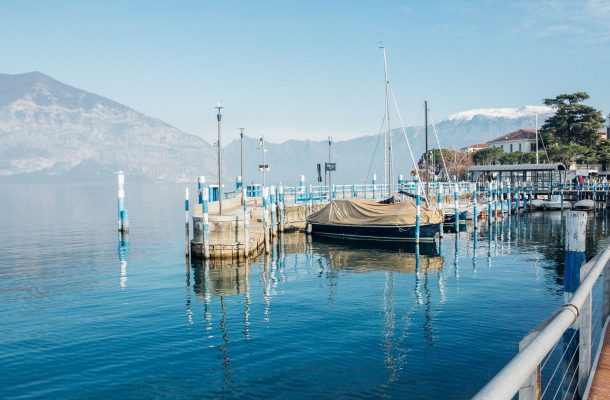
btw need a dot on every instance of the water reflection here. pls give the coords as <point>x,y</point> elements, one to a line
<point>123,250</point>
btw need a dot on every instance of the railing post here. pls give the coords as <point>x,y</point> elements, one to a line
<point>531,387</point>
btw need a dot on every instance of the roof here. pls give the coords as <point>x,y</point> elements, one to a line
<point>517,167</point>
<point>476,146</point>
<point>516,135</point>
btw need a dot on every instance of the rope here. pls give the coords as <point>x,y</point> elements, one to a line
<point>439,145</point>
<point>368,174</point>
<point>404,132</point>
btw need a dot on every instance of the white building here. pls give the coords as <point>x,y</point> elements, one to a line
<point>523,140</point>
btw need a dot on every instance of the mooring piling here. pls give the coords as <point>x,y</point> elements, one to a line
<point>206,225</point>
<point>281,207</point>
<point>266,219</point>
<point>517,198</point>
<point>456,209</point>
<point>272,208</point>
<point>474,208</point>
<point>246,221</point>
<point>495,196</point>
<point>417,211</point>
<point>238,183</point>
<point>489,204</point>
<point>509,199</point>
<point>186,221</point>
<point>439,204</point>
<point>374,185</point>
<point>576,228</point>
<point>123,215</point>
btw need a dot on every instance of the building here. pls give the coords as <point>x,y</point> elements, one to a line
<point>474,147</point>
<point>523,140</point>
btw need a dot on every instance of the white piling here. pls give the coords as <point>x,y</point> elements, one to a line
<point>206,224</point>
<point>417,212</point>
<point>246,222</point>
<point>123,218</point>
<point>273,208</point>
<point>186,220</point>
<point>266,219</point>
<point>281,207</point>
<point>200,188</point>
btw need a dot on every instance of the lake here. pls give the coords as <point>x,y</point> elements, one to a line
<point>88,315</point>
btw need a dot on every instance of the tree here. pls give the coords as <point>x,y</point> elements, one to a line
<point>574,123</point>
<point>457,162</point>
<point>565,153</point>
<point>487,156</point>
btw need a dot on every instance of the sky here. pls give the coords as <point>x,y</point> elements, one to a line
<point>309,69</point>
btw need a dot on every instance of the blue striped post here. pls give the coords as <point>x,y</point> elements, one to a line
<point>280,199</point>
<point>200,188</point>
<point>123,219</point>
<point>489,203</point>
<point>333,192</point>
<point>206,224</point>
<point>354,194</point>
<point>508,198</point>
<point>238,183</point>
<point>525,198</point>
<point>266,219</point>
<point>501,199</point>
<point>474,208</point>
<point>343,188</point>
<point>374,184</point>
<point>576,227</point>
<point>517,199</point>
<point>495,196</point>
<point>246,222</point>
<point>439,204</point>
<point>561,194</point>
<point>272,207</point>
<point>186,220</point>
<point>456,208</point>
<point>417,212</point>
<point>302,183</point>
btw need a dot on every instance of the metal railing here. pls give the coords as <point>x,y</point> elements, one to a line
<point>525,374</point>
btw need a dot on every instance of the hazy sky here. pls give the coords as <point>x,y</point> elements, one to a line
<point>307,69</point>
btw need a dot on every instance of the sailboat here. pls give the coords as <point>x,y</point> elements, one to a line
<point>388,220</point>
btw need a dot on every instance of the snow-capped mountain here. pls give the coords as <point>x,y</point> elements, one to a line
<point>50,131</point>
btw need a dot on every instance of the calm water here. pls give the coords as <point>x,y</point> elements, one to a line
<point>85,316</point>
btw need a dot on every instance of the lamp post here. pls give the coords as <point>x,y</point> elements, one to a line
<point>261,146</point>
<point>220,194</point>
<point>330,181</point>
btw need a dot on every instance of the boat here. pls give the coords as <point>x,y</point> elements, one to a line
<point>449,216</point>
<point>535,205</point>
<point>555,203</point>
<point>585,205</point>
<point>366,219</point>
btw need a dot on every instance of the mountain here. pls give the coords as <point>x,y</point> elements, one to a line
<point>50,131</point>
<point>357,159</point>
<point>53,132</point>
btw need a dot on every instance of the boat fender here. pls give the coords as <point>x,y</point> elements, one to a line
<point>308,228</point>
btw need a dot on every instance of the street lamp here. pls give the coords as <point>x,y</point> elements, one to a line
<point>261,146</point>
<point>220,194</point>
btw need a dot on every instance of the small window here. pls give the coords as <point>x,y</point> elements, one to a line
<point>511,147</point>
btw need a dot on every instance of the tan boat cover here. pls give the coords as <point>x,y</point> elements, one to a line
<point>369,212</point>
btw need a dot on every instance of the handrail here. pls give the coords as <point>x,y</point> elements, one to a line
<point>510,379</point>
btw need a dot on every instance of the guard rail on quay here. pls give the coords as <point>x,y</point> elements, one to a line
<point>523,376</point>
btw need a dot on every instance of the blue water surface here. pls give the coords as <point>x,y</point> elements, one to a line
<point>87,314</point>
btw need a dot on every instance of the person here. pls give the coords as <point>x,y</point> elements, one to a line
<point>581,182</point>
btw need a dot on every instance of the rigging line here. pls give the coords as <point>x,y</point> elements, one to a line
<point>368,174</point>
<point>439,143</point>
<point>404,132</point>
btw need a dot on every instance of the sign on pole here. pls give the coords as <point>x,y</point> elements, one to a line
<point>330,167</point>
<point>263,167</point>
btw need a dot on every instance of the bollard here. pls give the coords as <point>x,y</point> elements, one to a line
<point>273,210</point>
<point>474,209</point>
<point>206,225</point>
<point>576,228</point>
<point>246,222</point>
<point>281,207</point>
<point>123,217</point>
<point>489,203</point>
<point>456,208</point>
<point>266,219</point>
<point>417,212</point>
<point>200,188</point>
<point>186,220</point>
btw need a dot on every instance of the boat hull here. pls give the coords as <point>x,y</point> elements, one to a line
<point>376,232</point>
<point>450,217</point>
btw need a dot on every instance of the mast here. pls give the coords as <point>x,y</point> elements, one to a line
<point>426,157</point>
<point>536,138</point>
<point>387,172</point>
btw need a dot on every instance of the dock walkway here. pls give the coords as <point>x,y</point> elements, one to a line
<point>599,388</point>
